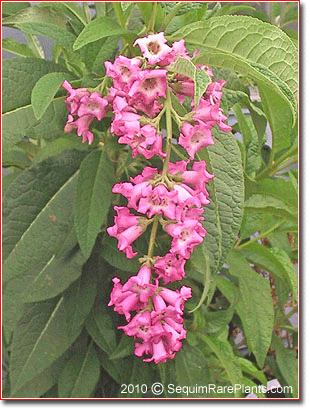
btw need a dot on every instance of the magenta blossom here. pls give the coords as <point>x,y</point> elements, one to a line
<point>170,268</point>
<point>153,47</point>
<point>142,140</point>
<point>123,71</point>
<point>186,235</point>
<point>127,229</point>
<point>193,138</point>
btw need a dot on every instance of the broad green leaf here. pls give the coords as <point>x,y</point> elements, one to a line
<point>47,330</point>
<point>16,157</point>
<point>55,276</point>
<point>43,381</point>
<point>99,325</point>
<point>60,35</point>
<point>225,354</point>
<point>249,368</point>
<point>99,28</point>
<point>268,203</point>
<point>254,307</point>
<point>288,365</point>
<point>76,10</point>
<point>45,90</point>
<point>15,47</point>
<point>116,258</point>
<point>79,377</point>
<point>250,40</point>
<point>223,214</point>
<point>274,261</point>
<point>57,146</point>
<point>28,211</point>
<point>8,179</point>
<point>19,76</point>
<point>48,127</point>
<point>10,7</point>
<point>93,198</point>
<point>191,367</point>
<point>35,13</point>
<point>201,262</point>
<point>125,348</point>
<point>136,373</point>
<point>106,52</point>
<point>199,76</point>
<point>260,51</point>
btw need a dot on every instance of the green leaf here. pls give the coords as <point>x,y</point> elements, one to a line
<point>93,198</point>
<point>199,76</point>
<point>267,203</point>
<point>43,381</point>
<point>47,329</point>
<point>254,307</point>
<point>259,51</point>
<point>80,375</point>
<point>37,220</point>
<point>224,352</point>
<point>55,276</point>
<point>99,325</point>
<point>250,40</point>
<point>99,28</point>
<point>288,365</point>
<point>223,214</point>
<point>32,199</point>
<point>76,10</point>
<point>201,262</point>
<point>19,76</point>
<point>10,7</point>
<point>35,13</point>
<point>249,368</point>
<point>125,348</point>
<point>57,146</point>
<point>45,90</point>
<point>16,157</point>
<point>15,47</point>
<point>48,127</point>
<point>191,367</point>
<point>8,179</point>
<point>116,258</point>
<point>275,261</point>
<point>60,35</point>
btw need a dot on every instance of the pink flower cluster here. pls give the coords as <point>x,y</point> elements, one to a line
<point>173,197</point>
<point>84,106</point>
<point>158,324</point>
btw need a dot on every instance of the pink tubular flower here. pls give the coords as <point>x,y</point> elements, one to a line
<point>127,229</point>
<point>170,268</point>
<point>74,98</point>
<point>193,138</point>
<point>186,235</point>
<point>132,192</point>
<point>82,124</point>
<point>153,47</point>
<point>211,114</point>
<point>93,105</point>
<point>158,200</point>
<point>134,294</point>
<point>176,298</point>
<point>150,84</point>
<point>142,140</point>
<point>123,71</point>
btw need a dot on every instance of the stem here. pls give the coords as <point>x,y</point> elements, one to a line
<point>260,236</point>
<point>274,164</point>
<point>174,148</point>
<point>151,26</point>
<point>119,13</point>
<point>153,237</point>
<point>169,133</point>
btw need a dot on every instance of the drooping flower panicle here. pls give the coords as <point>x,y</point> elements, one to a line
<point>173,196</point>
